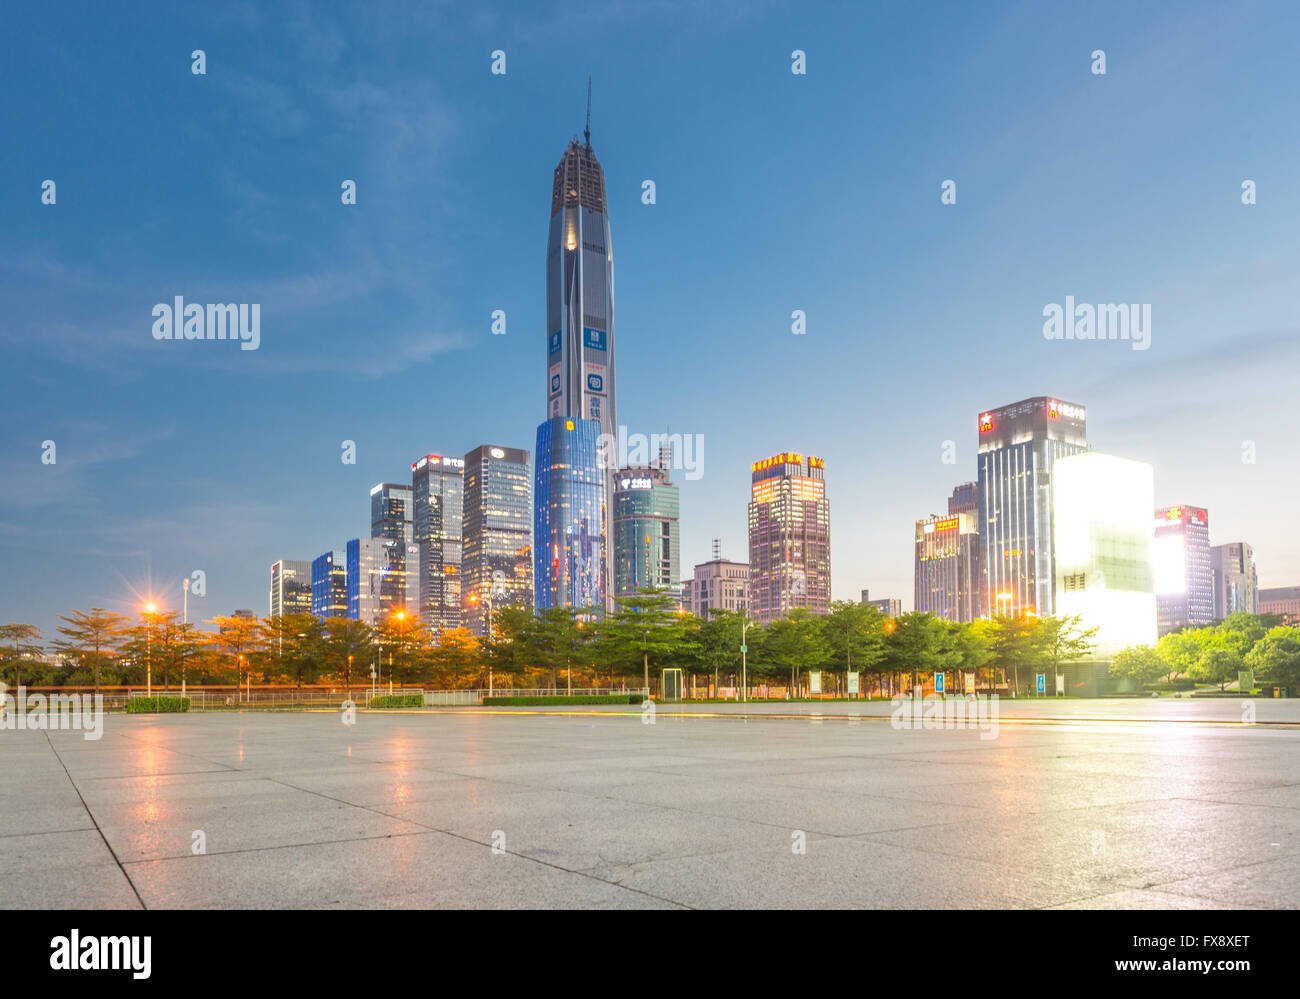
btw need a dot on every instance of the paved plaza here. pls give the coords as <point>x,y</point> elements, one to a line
<point>1096,804</point>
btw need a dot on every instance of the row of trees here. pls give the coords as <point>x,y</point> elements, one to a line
<point>647,632</point>
<point>1217,653</point>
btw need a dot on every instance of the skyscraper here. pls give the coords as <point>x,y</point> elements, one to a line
<point>375,579</point>
<point>329,585</point>
<point>1102,517</point>
<point>1236,583</point>
<point>497,560</point>
<point>290,587</point>
<point>647,538</point>
<point>580,316</point>
<point>437,492</point>
<point>1184,578</point>
<point>1018,446</point>
<point>391,520</point>
<point>789,537</point>
<point>569,507</point>
<point>948,582</point>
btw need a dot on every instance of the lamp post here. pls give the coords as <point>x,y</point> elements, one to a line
<point>148,649</point>
<point>745,625</point>
<point>487,603</point>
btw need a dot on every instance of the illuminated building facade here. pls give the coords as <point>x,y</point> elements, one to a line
<point>497,557</point>
<point>1236,583</point>
<point>437,492</point>
<point>580,317</point>
<point>1284,601</point>
<point>392,511</point>
<point>329,585</point>
<point>1102,512</point>
<point>647,539</point>
<point>1018,447</point>
<point>290,587</point>
<point>568,516</point>
<point>1184,577</point>
<point>376,579</point>
<point>789,537</point>
<point>948,582</point>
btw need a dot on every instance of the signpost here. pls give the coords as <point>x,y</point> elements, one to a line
<point>854,685</point>
<point>1042,683</point>
<point>938,683</point>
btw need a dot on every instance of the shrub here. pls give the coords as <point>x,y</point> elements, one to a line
<point>562,699</point>
<point>152,705</point>
<point>397,701</point>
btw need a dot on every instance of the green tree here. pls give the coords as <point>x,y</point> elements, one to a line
<point>1142,664</point>
<point>914,644</point>
<point>855,635</point>
<point>506,651</point>
<point>1062,640</point>
<point>1217,664</point>
<point>19,644</point>
<point>652,621</point>
<point>1276,656</point>
<point>1181,649</point>
<point>92,636</point>
<point>795,643</point>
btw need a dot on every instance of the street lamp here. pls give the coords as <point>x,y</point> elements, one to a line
<point>745,625</point>
<point>487,602</point>
<point>148,648</point>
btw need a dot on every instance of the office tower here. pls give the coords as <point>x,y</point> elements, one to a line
<point>948,582</point>
<point>789,537</point>
<point>965,498</point>
<point>719,584</point>
<point>889,606</point>
<point>580,320</point>
<point>646,533</point>
<point>392,520</point>
<point>1184,578</point>
<point>1236,584</point>
<point>568,504</point>
<point>1101,508</point>
<point>329,585</point>
<point>437,492</point>
<point>1284,601</point>
<point>391,512</point>
<point>290,587</point>
<point>1018,445</point>
<point>497,559</point>
<point>375,579</point>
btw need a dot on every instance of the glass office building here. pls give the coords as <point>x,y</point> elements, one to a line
<point>392,511</point>
<point>569,514</point>
<point>647,538</point>
<point>1018,448</point>
<point>1184,576</point>
<point>290,587</point>
<point>437,492</point>
<point>1236,581</point>
<point>329,585</point>
<point>497,554</point>
<point>1102,511</point>
<point>580,315</point>
<point>375,579</point>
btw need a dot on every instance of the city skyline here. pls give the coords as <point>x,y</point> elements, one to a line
<point>164,447</point>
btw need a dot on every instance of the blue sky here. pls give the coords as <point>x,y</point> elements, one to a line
<point>775,192</point>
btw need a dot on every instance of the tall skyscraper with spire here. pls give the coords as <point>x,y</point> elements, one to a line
<point>579,383</point>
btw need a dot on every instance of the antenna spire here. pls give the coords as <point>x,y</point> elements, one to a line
<point>586,132</point>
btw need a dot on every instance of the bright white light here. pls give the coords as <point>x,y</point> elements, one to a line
<point>1169,564</point>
